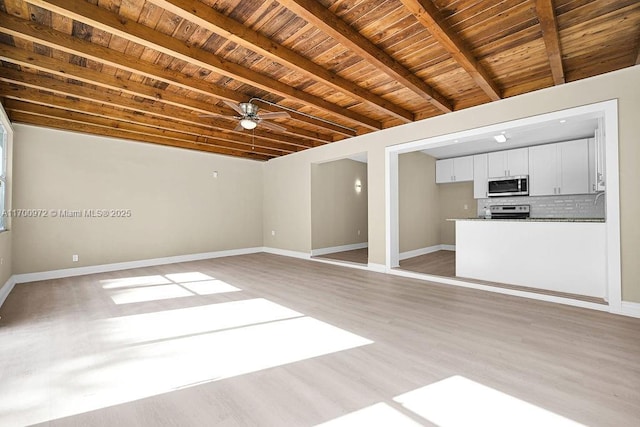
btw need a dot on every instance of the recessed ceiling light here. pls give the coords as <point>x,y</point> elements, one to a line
<point>563,121</point>
<point>500,138</point>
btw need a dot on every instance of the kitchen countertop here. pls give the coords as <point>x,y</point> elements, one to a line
<point>531,219</point>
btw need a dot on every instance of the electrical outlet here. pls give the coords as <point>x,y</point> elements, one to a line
<point>466,207</point>
<point>1,261</point>
<point>358,232</point>
<point>215,174</point>
<point>74,258</point>
<point>273,232</point>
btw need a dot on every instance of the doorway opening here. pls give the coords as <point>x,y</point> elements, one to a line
<point>339,210</point>
<point>541,130</point>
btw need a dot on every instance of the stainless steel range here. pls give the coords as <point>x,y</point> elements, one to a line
<point>510,211</point>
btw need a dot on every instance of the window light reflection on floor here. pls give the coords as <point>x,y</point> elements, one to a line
<point>459,402</point>
<point>126,282</point>
<point>380,414</point>
<point>130,290</point>
<point>193,276</point>
<point>163,325</point>
<point>210,287</point>
<point>153,293</point>
<point>141,356</point>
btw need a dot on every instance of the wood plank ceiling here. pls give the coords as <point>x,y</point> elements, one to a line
<point>148,70</point>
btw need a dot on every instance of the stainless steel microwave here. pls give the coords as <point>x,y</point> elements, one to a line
<point>508,186</point>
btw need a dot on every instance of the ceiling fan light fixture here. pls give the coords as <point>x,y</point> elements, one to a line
<point>248,123</point>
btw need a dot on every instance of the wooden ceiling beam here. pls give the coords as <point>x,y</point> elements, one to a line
<point>67,125</point>
<point>60,68</point>
<point>105,20</point>
<point>330,24</point>
<point>218,23</point>
<point>34,96</point>
<point>34,32</point>
<point>430,17</point>
<point>163,112</point>
<point>63,69</point>
<point>142,129</point>
<point>549,24</point>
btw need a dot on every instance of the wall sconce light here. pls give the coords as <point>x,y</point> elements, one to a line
<point>358,186</point>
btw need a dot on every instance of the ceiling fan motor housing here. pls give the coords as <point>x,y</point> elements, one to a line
<point>249,109</point>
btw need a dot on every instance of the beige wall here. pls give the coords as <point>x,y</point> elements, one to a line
<point>418,207</point>
<point>177,207</point>
<point>338,212</point>
<point>424,206</point>
<point>287,178</point>
<point>452,199</point>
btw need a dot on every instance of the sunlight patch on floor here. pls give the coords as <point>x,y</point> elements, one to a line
<point>209,287</point>
<point>380,414</point>
<point>127,282</point>
<point>162,325</point>
<point>459,402</point>
<point>129,290</point>
<point>146,355</point>
<point>152,293</point>
<point>193,276</point>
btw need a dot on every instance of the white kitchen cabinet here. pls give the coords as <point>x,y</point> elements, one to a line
<point>480,176</point>
<point>458,169</point>
<point>574,167</point>
<point>559,168</point>
<point>508,163</point>
<point>543,170</point>
<point>444,171</point>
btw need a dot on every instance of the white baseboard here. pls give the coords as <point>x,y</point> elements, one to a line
<point>496,289</point>
<point>630,309</point>
<point>6,288</point>
<point>285,252</point>
<point>378,268</point>
<point>424,251</point>
<point>92,269</point>
<point>343,248</point>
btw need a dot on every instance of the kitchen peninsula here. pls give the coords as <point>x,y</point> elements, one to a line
<point>556,254</point>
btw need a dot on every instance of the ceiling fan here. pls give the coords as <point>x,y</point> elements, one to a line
<point>249,118</point>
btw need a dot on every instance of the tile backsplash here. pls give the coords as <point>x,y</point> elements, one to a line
<point>569,206</point>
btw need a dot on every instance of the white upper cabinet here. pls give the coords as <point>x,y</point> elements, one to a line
<point>480,176</point>
<point>543,170</point>
<point>559,168</point>
<point>574,167</point>
<point>444,171</point>
<point>508,163</point>
<point>463,168</point>
<point>458,169</point>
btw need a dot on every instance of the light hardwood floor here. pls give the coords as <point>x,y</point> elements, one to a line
<point>439,263</point>
<point>357,256</point>
<point>274,341</point>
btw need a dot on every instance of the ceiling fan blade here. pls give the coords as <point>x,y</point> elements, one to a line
<point>238,128</point>
<point>234,106</point>
<point>273,126</point>
<point>275,115</point>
